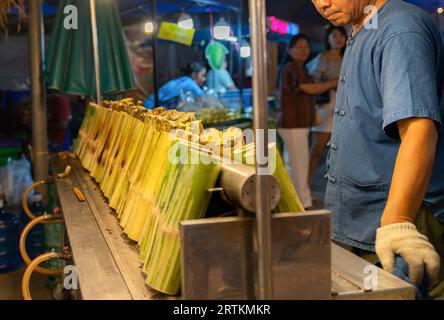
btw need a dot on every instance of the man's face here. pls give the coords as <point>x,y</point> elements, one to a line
<point>341,12</point>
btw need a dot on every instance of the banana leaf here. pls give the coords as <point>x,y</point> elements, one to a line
<point>183,195</point>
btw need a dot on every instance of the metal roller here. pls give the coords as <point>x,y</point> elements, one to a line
<point>238,183</point>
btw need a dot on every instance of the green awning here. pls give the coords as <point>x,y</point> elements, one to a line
<point>70,59</point>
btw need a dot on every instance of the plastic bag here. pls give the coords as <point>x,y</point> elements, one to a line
<point>187,102</point>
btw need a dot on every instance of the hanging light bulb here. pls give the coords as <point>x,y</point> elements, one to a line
<point>222,30</point>
<point>185,21</point>
<point>440,10</point>
<point>245,50</point>
<point>149,27</point>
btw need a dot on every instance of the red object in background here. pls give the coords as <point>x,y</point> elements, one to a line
<point>278,25</point>
<point>59,113</point>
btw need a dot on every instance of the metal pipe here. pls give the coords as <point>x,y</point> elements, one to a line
<point>154,47</point>
<point>217,4</point>
<point>240,65</point>
<point>25,198</point>
<point>39,126</point>
<point>260,125</point>
<point>131,10</point>
<point>33,266</point>
<point>238,182</point>
<point>95,38</point>
<point>22,243</point>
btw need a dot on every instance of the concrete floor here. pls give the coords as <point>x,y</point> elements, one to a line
<point>10,286</point>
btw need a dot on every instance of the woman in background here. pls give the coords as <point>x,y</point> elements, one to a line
<point>326,66</point>
<point>296,112</point>
<point>192,81</point>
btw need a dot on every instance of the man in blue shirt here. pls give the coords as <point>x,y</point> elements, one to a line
<point>386,159</point>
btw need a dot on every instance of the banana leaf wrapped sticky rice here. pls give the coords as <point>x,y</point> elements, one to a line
<point>156,167</point>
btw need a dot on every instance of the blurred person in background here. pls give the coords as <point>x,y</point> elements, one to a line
<point>78,107</point>
<point>59,116</point>
<point>296,112</point>
<point>192,81</point>
<point>220,80</point>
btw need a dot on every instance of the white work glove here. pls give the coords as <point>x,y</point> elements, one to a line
<point>404,240</point>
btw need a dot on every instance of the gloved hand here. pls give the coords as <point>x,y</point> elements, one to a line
<point>405,240</point>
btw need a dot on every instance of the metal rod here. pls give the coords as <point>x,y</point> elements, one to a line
<point>231,63</point>
<point>240,65</point>
<point>92,4</point>
<point>231,52</point>
<point>39,126</point>
<point>260,124</point>
<point>216,4</point>
<point>130,10</point>
<point>154,47</point>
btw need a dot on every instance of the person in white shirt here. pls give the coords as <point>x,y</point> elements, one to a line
<point>220,80</point>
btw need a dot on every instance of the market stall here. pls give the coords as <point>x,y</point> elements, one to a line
<point>187,31</point>
<point>110,268</point>
<point>138,219</point>
<point>115,256</point>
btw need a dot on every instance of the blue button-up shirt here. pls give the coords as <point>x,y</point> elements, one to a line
<point>389,73</point>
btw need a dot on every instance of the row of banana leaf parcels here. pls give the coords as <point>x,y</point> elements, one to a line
<point>136,156</point>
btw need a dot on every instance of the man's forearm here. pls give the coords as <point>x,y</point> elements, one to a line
<point>412,172</point>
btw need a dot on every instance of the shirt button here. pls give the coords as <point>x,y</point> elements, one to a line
<point>333,146</point>
<point>330,178</point>
<point>350,42</point>
<point>343,78</point>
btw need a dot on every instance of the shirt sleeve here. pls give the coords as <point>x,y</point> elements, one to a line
<point>226,79</point>
<point>192,86</point>
<point>149,102</point>
<point>210,79</point>
<point>408,80</point>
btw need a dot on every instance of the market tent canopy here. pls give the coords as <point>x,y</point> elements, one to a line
<point>201,6</point>
<point>165,7</point>
<point>129,7</point>
<point>70,61</point>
